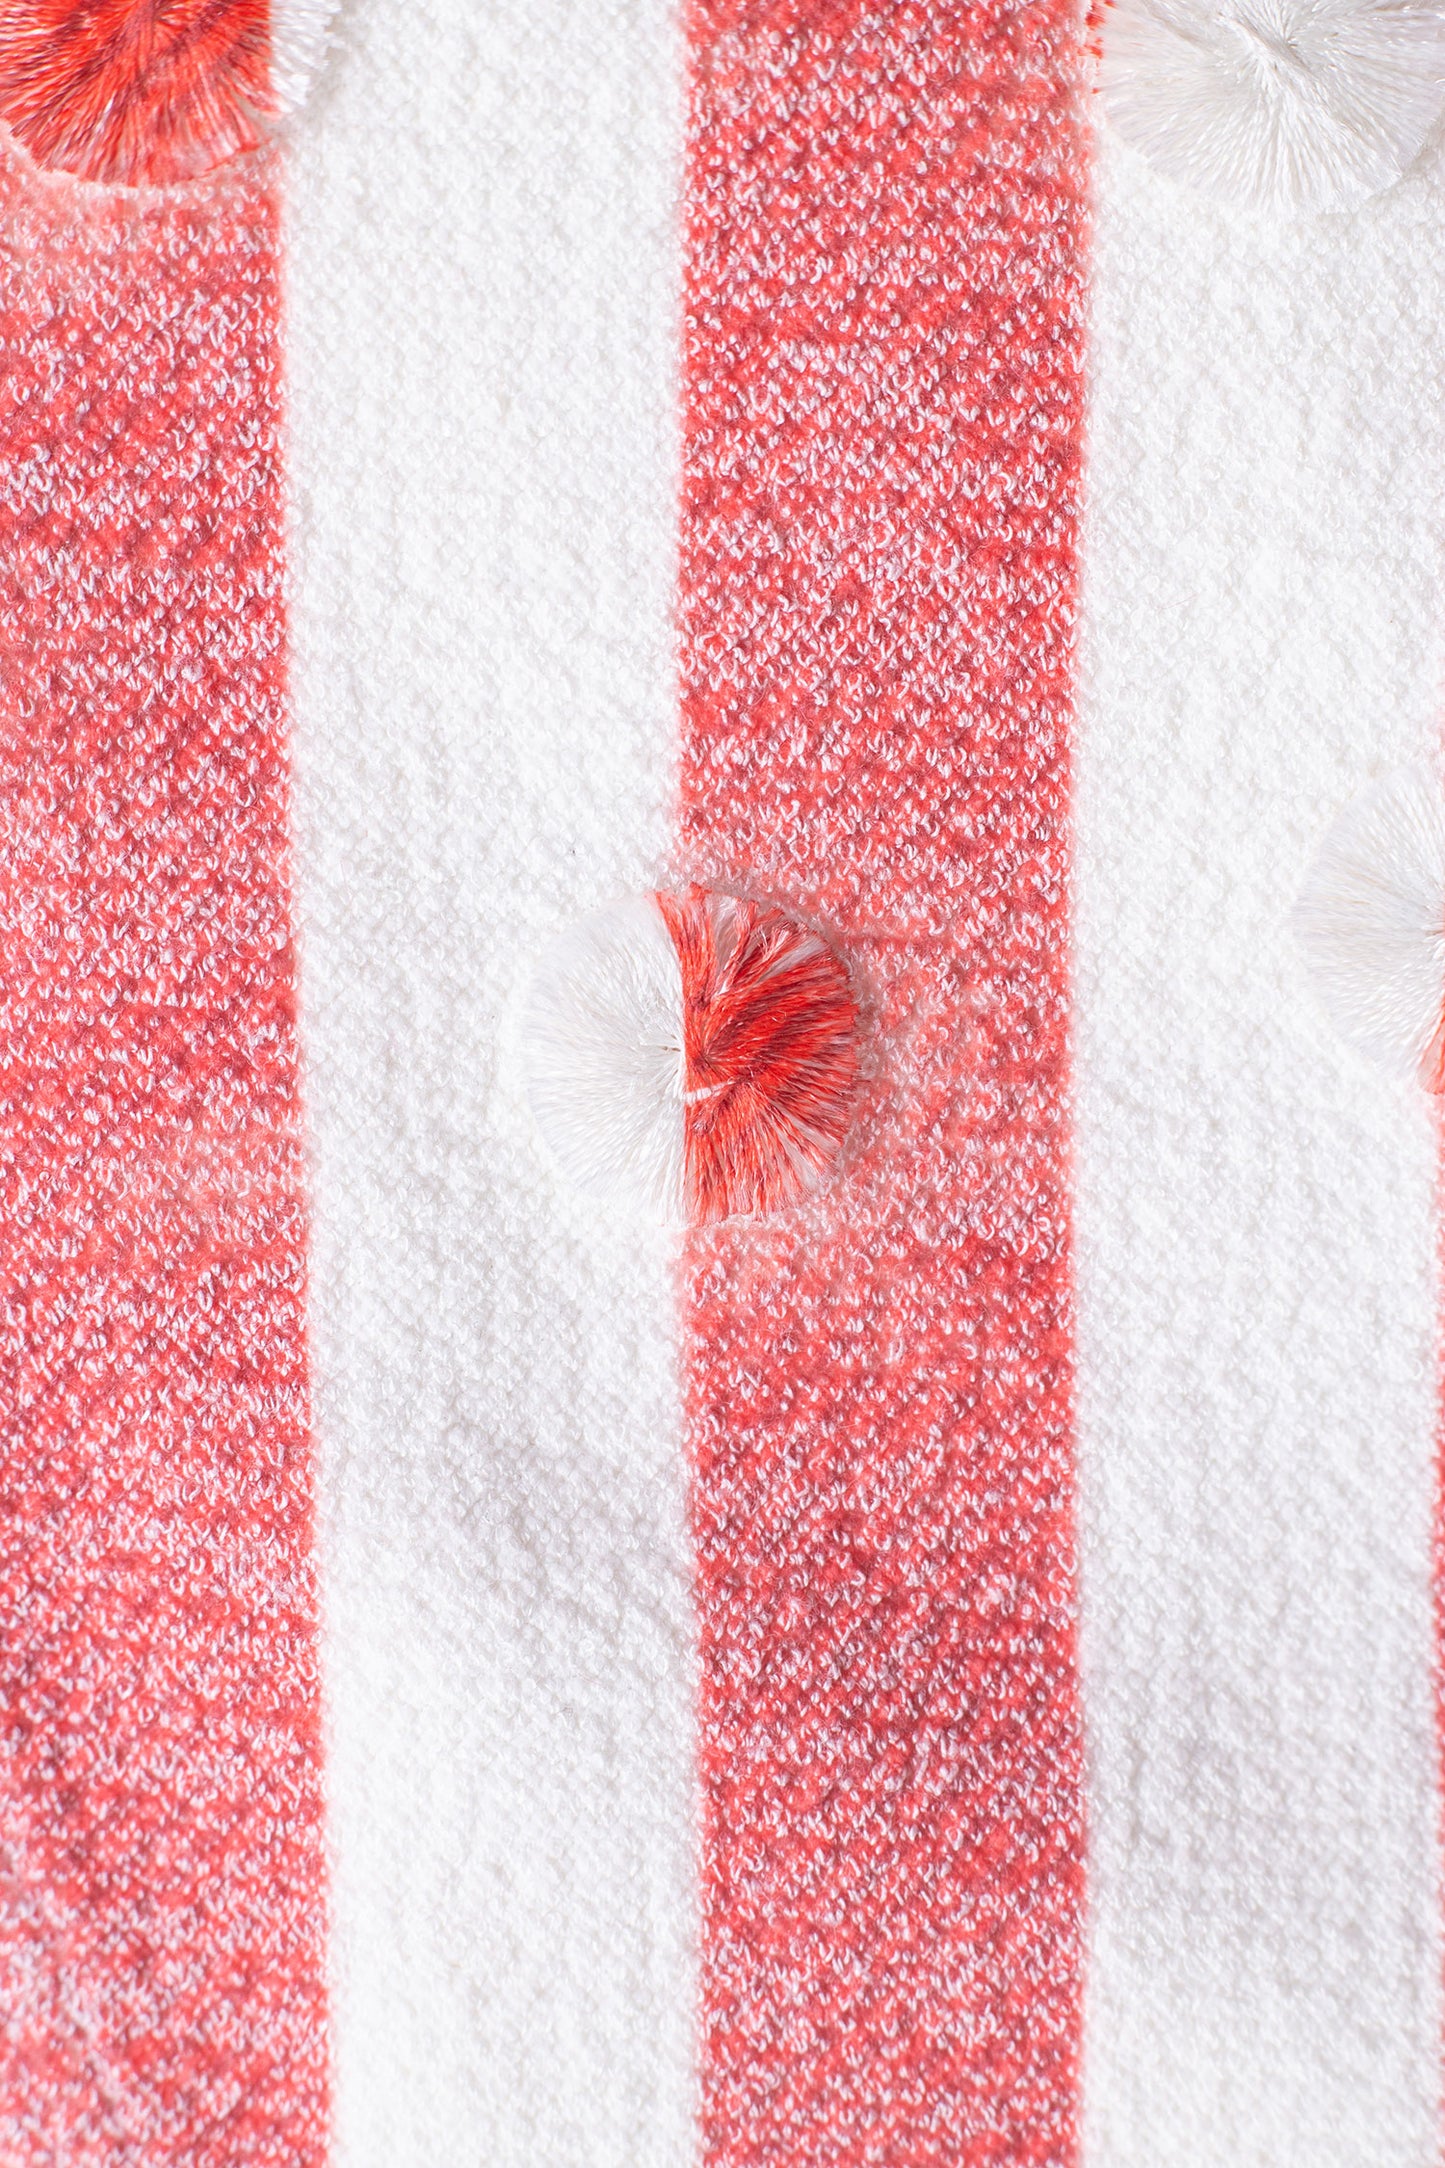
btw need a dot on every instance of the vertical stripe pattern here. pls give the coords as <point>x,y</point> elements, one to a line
<point>161,1955</point>
<point>882,426</point>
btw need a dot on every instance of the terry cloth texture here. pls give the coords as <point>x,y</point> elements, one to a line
<point>865,234</point>
<point>483,309</point>
<point>161,1928</point>
<point>485,289</point>
<point>883,421</point>
<point>1264,630</point>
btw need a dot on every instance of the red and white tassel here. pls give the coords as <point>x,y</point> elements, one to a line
<point>696,1055</point>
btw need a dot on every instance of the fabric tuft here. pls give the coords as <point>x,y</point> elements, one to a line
<point>603,1038</point>
<point>1287,105</point>
<point>1372,922</point>
<point>770,1034</point>
<point>146,92</point>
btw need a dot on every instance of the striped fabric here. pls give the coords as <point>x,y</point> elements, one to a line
<point>940,1677</point>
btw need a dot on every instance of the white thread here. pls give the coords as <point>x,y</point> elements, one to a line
<point>603,1045</point>
<point>298,43</point>
<point>1372,919</point>
<point>1289,105</point>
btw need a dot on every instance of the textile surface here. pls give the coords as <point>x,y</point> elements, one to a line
<point>482,264</point>
<point>162,1934</point>
<point>883,416</point>
<point>945,1676</point>
<point>1258,1305</point>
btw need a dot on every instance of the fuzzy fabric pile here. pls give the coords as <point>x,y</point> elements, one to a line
<point>937,1666</point>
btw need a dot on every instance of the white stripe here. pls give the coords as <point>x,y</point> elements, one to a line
<point>483,287</point>
<point>1265,605</point>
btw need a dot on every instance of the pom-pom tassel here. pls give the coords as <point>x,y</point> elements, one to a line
<point>1372,924</point>
<point>147,92</point>
<point>1287,105</point>
<point>696,1055</point>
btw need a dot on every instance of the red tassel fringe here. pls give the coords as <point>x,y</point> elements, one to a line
<point>135,90</point>
<point>770,1052</point>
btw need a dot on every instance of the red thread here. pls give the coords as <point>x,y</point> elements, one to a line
<point>770,1054</point>
<point>882,437</point>
<point>135,90</point>
<point>162,1959</point>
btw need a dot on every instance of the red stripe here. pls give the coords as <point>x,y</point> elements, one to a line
<point>161,1908</point>
<point>883,420</point>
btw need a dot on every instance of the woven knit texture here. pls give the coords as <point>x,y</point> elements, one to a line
<point>482,226</point>
<point>160,1911</point>
<point>483,312</point>
<point>1264,630</point>
<point>882,432</point>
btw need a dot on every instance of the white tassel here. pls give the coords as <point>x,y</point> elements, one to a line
<point>603,1045</point>
<point>1288,105</point>
<point>1372,923</point>
<point>298,43</point>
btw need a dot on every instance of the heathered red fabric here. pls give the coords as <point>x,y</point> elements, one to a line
<point>161,1923</point>
<point>882,446</point>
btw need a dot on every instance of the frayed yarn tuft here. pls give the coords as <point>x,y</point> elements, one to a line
<point>151,92</point>
<point>1372,924</point>
<point>1285,105</point>
<point>602,1041</point>
<point>693,1055</point>
<point>298,43</point>
<point>771,1054</point>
